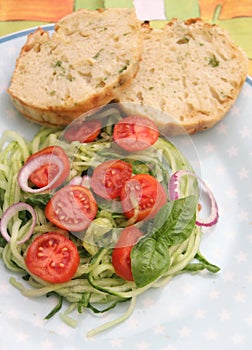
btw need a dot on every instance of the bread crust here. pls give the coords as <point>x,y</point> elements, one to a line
<point>190,76</point>
<point>77,81</point>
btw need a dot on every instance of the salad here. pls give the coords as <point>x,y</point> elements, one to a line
<point>98,213</point>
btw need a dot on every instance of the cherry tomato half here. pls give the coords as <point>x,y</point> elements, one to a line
<point>142,196</point>
<point>109,177</point>
<point>52,257</point>
<point>73,207</point>
<point>46,172</point>
<point>121,253</point>
<point>85,132</point>
<point>135,133</point>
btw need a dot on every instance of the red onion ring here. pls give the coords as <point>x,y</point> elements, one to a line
<point>33,165</point>
<point>10,212</point>
<point>174,193</point>
<point>81,180</point>
<point>76,180</point>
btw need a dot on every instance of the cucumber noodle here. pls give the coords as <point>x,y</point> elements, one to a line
<point>95,283</point>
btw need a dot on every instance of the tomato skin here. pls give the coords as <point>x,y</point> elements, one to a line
<point>85,132</point>
<point>73,207</point>
<point>52,257</point>
<point>109,177</point>
<point>135,133</point>
<point>149,197</point>
<point>121,253</point>
<point>44,174</point>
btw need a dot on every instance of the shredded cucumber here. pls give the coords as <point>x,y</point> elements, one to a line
<point>95,283</point>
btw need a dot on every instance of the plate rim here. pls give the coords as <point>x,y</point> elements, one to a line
<point>24,32</point>
<point>20,34</point>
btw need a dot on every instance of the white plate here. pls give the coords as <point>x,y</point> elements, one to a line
<point>213,312</point>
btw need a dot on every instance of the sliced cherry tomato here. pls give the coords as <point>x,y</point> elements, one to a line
<point>73,207</point>
<point>45,173</point>
<point>85,132</point>
<point>109,177</point>
<point>52,257</point>
<point>121,253</point>
<point>135,133</point>
<point>142,197</point>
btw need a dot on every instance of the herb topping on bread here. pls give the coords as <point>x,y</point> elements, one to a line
<point>88,58</point>
<point>191,74</point>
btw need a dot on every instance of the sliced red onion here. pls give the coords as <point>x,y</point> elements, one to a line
<point>174,193</point>
<point>33,165</point>
<point>81,180</point>
<point>12,211</point>
<point>76,180</point>
<point>174,186</point>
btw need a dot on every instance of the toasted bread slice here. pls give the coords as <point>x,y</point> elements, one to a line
<point>191,74</point>
<point>89,57</point>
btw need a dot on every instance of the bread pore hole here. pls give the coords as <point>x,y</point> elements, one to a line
<point>215,94</point>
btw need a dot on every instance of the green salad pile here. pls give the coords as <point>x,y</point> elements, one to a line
<point>97,225</point>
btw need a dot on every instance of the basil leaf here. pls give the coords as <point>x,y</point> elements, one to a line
<point>177,219</point>
<point>149,259</point>
<point>173,224</point>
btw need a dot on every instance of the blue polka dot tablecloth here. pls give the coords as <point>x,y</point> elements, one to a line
<point>192,312</point>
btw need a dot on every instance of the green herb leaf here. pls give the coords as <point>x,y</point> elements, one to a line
<point>124,67</point>
<point>213,61</point>
<point>58,64</point>
<point>178,218</point>
<point>149,259</point>
<point>150,256</point>
<point>98,54</point>
<point>183,40</point>
<point>38,199</point>
<point>139,167</point>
